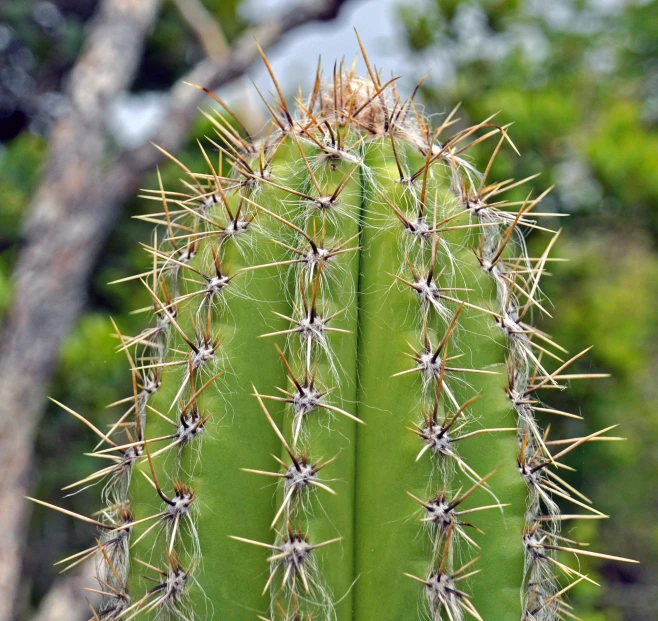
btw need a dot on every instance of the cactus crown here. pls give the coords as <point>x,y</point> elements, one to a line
<point>394,280</point>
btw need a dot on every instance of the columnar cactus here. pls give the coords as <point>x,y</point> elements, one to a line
<point>341,387</point>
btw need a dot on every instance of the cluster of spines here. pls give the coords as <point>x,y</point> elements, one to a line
<point>328,121</point>
<point>429,272</point>
<point>175,283</point>
<point>516,277</point>
<point>313,217</point>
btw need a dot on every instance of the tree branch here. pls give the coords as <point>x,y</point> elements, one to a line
<point>72,212</point>
<point>207,30</point>
<point>184,101</point>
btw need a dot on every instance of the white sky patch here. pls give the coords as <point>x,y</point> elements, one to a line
<point>134,117</point>
<point>295,59</point>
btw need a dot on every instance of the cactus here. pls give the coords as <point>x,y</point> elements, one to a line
<point>335,410</point>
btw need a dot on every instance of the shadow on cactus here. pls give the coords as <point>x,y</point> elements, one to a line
<point>337,405</point>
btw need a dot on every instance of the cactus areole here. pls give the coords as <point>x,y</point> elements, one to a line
<point>337,405</point>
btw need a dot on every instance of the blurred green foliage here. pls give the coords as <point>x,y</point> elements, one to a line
<point>579,79</point>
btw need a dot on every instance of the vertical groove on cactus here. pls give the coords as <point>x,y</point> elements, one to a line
<point>335,412</point>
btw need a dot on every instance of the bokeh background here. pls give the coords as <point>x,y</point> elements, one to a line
<point>579,79</point>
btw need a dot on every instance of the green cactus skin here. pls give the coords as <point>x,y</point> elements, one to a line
<point>390,320</point>
<point>348,294</point>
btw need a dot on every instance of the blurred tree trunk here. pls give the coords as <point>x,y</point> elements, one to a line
<point>51,273</point>
<point>82,190</point>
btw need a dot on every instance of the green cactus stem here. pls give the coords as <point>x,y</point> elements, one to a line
<point>337,409</point>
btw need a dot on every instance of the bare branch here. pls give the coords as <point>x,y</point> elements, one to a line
<point>208,31</point>
<point>184,101</point>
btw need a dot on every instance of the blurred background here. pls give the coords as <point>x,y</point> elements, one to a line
<point>84,86</point>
